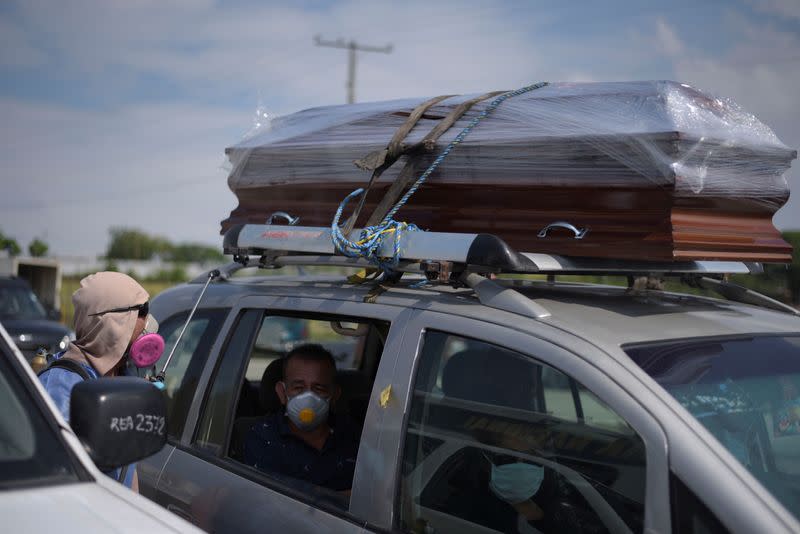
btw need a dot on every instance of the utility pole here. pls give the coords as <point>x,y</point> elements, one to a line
<point>352,47</point>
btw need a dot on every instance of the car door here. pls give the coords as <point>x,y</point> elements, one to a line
<point>488,409</point>
<point>181,381</point>
<point>206,480</point>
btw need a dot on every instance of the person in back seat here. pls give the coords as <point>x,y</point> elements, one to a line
<point>304,441</point>
<point>497,490</point>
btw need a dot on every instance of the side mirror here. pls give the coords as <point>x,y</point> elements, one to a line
<point>54,314</point>
<point>119,420</point>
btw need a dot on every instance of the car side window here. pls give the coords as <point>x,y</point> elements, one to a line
<point>211,433</point>
<point>278,334</point>
<point>243,416</point>
<point>495,440</point>
<point>183,373</point>
<point>559,395</point>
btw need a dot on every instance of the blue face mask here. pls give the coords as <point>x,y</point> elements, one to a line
<point>517,482</point>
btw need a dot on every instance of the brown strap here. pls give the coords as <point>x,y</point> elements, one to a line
<point>408,174</point>
<point>373,294</point>
<point>69,365</point>
<point>380,160</point>
<point>363,275</point>
<point>429,141</point>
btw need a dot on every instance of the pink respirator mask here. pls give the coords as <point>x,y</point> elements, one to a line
<point>146,350</point>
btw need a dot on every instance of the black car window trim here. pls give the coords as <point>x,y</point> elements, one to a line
<point>209,384</point>
<point>216,317</point>
<point>675,342</point>
<point>422,341</point>
<point>685,505</point>
<point>40,404</point>
<point>576,399</point>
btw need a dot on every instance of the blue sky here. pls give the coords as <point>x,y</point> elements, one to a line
<point>116,113</point>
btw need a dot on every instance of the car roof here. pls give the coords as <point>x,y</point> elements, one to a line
<point>607,316</point>
<point>615,316</point>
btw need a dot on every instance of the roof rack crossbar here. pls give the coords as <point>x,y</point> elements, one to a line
<point>737,293</point>
<point>484,252</point>
<point>255,239</point>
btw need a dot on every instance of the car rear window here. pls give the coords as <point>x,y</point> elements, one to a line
<point>746,392</point>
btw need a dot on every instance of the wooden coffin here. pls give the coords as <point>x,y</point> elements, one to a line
<point>654,170</point>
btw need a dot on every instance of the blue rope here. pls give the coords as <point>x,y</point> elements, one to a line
<point>372,237</point>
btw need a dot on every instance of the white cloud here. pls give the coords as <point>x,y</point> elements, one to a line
<point>74,174</point>
<point>667,39</point>
<point>754,71</point>
<point>749,75</point>
<point>785,8</point>
<point>439,46</point>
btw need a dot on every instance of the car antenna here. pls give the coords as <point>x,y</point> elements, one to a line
<point>159,378</point>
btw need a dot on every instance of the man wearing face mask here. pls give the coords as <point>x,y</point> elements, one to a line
<point>305,442</point>
<point>111,325</point>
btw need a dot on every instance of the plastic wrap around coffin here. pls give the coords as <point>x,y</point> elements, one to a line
<point>654,169</point>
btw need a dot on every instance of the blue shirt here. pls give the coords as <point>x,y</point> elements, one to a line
<point>58,382</point>
<point>270,446</point>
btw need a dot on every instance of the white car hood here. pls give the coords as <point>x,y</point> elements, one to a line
<point>81,508</point>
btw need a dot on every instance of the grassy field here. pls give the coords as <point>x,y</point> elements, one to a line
<point>69,285</point>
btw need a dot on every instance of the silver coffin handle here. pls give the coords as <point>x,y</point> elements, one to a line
<point>291,221</point>
<point>579,234</point>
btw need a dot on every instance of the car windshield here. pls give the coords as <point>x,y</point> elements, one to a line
<point>31,453</point>
<point>746,392</point>
<point>19,302</point>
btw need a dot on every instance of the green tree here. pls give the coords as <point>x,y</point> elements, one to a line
<point>194,252</point>
<point>131,244</point>
<point>10,244</point>
<point>111,265</point>
<point>38,248</point>
<point>175,274</point>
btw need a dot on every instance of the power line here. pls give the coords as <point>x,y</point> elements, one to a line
<point>352,47</point>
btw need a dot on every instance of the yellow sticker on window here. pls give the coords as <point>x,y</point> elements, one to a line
<point>386,394</point>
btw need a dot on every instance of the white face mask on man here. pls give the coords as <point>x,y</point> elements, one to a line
<point>307,410</point>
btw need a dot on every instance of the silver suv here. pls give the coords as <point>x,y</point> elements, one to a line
<point>645,410</point>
